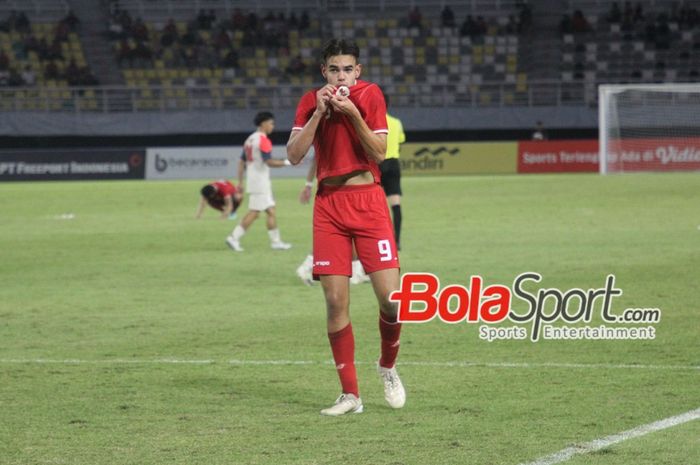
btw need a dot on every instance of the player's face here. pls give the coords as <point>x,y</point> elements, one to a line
<point>341,70</point>
<point>268,126</point>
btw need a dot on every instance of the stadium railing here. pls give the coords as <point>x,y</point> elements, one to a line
<point>156,9</point>
<point>38,10</point>
<point>603,6</point>
<point>116,99</point>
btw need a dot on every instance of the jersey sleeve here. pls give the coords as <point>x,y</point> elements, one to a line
<point>305,109</point>
<point>265,147</point>
<point>376,111</point>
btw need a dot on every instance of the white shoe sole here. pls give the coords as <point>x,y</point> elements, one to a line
<point>359,409</point>
<point>233,247</point>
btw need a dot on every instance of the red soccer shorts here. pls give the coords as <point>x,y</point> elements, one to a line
<point>343,214</point>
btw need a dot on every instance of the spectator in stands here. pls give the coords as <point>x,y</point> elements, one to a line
<point>8,24</point>
<point>539,133</point>
<point>115,30</point>
<point>304,21</point>
<point>72,21</point>
<point>252,22</point>
<point>222,40</point>
<point>293,21</point>
<point>512,26</point>
<point>203,20</point>
<point>55,51</point>
<point>415,18</point>
<point>615,15</point>
<point>125,53</point>
<point>4,61</point>
<point>4,77</point>
<point>468,27</point>
<point>51,71</point>
<point>61,32</point>
<point>139,31</point>
<point>87,78</point>
<point>638,13</point>
<point>579,24</point>
<point>72,74</point>
<point>481,26</point>
<point>238,20</point>
<point>663,32</point>
<point>15,79</point>
<point>142,52</point>
<point>124,19</point>
<point>191,35</point>
<point>688,17</point>
<point>448,17</point>
<point>296,66</point>
<point>22,23</point>
<point>28,76</point>
<point>230,60</point>
<point>525,17</point>
<point>169,34</point>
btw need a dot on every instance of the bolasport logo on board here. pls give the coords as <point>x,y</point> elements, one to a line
<point>531,308</point>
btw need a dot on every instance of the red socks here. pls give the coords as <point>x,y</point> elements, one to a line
<point>343,347</point>
<point>390,330</point>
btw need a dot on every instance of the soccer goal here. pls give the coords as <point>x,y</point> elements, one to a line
<point>649,127</point>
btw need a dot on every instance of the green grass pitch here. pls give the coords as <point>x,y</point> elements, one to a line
<point>102,317</point>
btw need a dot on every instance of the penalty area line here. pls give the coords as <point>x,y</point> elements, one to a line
<point>598,444</point>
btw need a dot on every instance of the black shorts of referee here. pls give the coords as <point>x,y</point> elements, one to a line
<point>391,176</point>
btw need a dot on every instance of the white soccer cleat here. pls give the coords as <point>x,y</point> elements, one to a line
<point>305,273</point>
<point>394,393</point>
<point>346,403</point>
<point>279,245</point>
<point>234,244</point>
<point>358,273</point>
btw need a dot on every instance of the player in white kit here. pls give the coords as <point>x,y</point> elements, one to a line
<point>256,161</point>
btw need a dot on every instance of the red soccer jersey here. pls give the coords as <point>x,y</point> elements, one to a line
<point>224,188</point>
<point>338,148</point>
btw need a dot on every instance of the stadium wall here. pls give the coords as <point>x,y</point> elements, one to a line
<point>16,124</point>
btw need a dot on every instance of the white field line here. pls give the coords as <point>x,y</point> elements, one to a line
<point>597,444</point>
<point>448,364</point>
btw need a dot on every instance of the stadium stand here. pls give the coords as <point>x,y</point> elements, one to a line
<point>41,61</point>
<point>631,44</point>
<point>179,55</point>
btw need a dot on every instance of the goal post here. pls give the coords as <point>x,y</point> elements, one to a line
<point>649,127</point>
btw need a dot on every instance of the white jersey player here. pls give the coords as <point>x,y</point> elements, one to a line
<point>256,161</point>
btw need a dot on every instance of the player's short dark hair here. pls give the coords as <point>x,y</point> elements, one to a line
<point>208,191</point>
<point>386,100</point>
<point>340,47</point>
<point>263,116</point>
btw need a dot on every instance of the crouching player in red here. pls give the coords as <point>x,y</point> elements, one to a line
<point>345,120</point>
<point>220,195</point>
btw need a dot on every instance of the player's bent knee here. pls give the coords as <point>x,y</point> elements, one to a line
<point>389,308</point>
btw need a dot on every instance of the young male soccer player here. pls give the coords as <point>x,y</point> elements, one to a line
<point>345,120</point>
<point>256,161</point>
<point>220,195</point>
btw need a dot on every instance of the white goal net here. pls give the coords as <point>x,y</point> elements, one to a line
<point>649,127</point>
